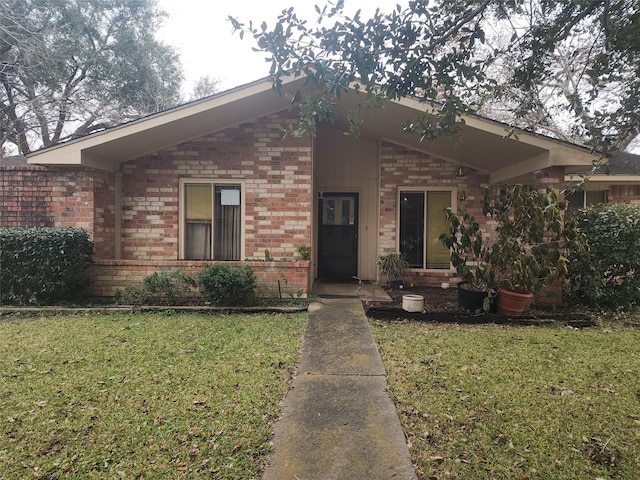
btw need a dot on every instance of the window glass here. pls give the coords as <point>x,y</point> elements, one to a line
<point>594,197</point>
<point>422,221</point>
<point>579,199</point>
<point>412,228</point>
<point>438,256</point>
<point>198,224</point>
<point>227,223</point>
<point>212,223</point>
<point>338,211</point>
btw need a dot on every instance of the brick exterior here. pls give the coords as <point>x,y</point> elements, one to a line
<point>276,179</point>
<point>629,194</point>
<point>35,196</point>
<point>276,184</point>
<point>23,197</point>
<point>401,167</point>
<point>285,279</point>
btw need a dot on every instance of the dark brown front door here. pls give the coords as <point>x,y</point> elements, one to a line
<point>338,236</point>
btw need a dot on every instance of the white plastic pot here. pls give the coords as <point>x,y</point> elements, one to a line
<point>413,303</point>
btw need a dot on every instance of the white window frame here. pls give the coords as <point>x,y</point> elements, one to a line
<point>424,189</point>
<point>182,213</point>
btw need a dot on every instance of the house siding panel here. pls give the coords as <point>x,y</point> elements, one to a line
<point>346,164</point>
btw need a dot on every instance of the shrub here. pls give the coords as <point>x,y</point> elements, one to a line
<point>228,285</point>
<point>43,265</point>
<point>608,274</point>
<point>166,288</point>
<point>527,248</point>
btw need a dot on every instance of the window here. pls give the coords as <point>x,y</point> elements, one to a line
<point>422,220</point>
<point>578,199</point>
<point>211,221</point>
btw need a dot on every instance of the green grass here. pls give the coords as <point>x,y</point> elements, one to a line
<point>487,402</point>
<point>142,396</point>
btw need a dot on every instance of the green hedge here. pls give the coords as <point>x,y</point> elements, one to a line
<point>228,284</point>
<point>43,265</point>
<point>608,275</point>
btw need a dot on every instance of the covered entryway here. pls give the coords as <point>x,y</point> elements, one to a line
<point>338,236</point>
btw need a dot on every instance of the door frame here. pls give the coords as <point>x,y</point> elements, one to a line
<point>322,196</point>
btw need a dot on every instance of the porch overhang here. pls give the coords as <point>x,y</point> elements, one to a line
<point>106,150</point>
<point>482,144</point>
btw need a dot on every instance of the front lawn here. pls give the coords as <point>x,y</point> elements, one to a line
<point>487,402</point>
<point>142,396</point>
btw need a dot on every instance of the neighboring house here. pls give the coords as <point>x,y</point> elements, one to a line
<point>214,180</point>
<point>614,181</point>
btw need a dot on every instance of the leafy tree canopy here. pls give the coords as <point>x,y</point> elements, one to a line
<point>464,56</point>
<point>72,67</point>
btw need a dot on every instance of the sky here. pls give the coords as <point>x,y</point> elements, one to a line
<point>199,29</point>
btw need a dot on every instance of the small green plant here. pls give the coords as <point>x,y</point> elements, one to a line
<point>228,284</point>
<point>392,266</point>
<point>305,252</point>
<point>165,288</point>
<point>374,285</point>
<point>131,295</point>
<point>298,300</point>
<point>267,256</point>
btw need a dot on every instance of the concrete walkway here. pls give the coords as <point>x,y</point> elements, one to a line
<point>338,420</point>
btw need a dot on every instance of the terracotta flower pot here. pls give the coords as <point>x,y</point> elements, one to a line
<point>512,302</point>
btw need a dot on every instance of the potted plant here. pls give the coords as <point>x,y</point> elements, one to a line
<point>392,267</point>
<point>526,251</point>
<point>532,245</point>
<point>305,252</point>
<point>469,256</point>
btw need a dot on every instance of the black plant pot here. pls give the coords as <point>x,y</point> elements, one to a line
<point>470,299</point>
<point>396,284</point>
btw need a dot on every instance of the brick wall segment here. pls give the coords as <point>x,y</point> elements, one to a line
<point>287,278</point>
<point>252,154</point>
<point>404,168</point>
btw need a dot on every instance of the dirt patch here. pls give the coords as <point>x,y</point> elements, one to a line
<point>435,299</point>
<point>441,305</point>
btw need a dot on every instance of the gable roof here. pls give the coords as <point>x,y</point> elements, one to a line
<point>481,145</point>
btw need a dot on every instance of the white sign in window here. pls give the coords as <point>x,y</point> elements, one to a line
<point>229,196</point>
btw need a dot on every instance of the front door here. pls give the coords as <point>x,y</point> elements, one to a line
<point>338,236</point>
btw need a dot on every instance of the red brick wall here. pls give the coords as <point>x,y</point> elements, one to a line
<point>273,278</point>
<point>23,197</point>
<point>104,215</point>
<point>276,179</point>
<point>624,194</point>
<point>35,196</point>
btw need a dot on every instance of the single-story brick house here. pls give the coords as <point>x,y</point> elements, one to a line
<point>214,180</point>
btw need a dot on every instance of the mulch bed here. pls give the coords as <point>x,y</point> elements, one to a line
<point>441,305</point>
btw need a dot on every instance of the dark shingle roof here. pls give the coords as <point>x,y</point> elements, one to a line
<point>13,161</point>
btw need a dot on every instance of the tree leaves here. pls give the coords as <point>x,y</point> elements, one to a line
<point>69,68</point>
<point>436,52</point>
